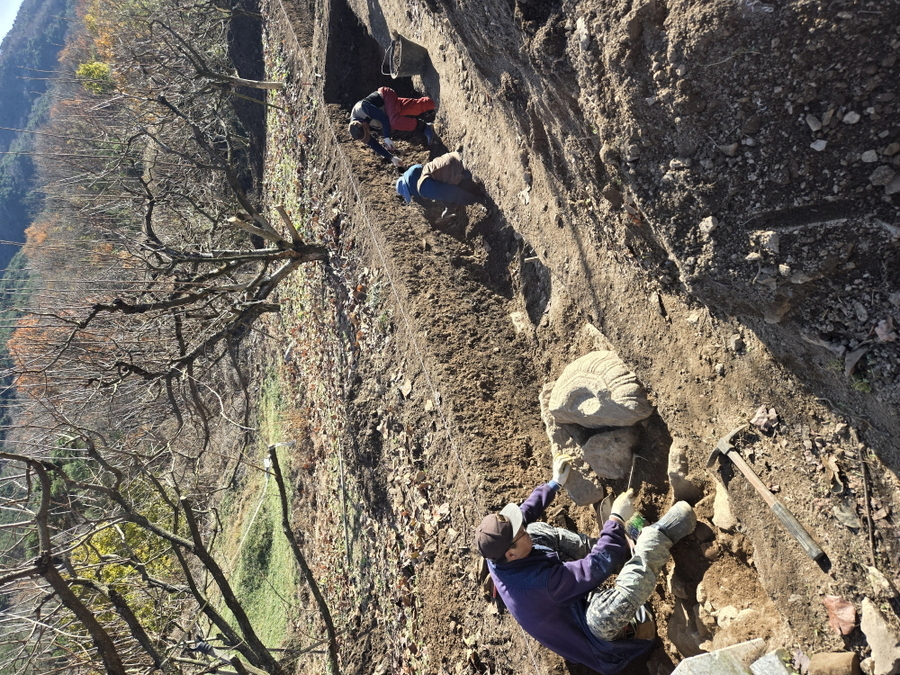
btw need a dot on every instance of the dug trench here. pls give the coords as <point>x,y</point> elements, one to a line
<point>652,191</point>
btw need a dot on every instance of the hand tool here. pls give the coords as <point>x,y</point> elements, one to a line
<point>634,458</point>
<point>725,448</point>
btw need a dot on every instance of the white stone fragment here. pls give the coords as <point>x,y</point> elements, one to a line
<point>869,156</point>
<point>722,516</point>
<point>770,241</point>
<point>708,224</point>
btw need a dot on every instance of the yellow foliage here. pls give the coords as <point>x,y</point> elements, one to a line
<point>127,541</point>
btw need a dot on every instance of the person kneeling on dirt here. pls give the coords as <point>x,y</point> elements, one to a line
<point>548,576</point>
<point>443,179</point>
<point>384,111</point>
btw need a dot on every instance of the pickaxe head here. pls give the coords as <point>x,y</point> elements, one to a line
<point>724,445</point>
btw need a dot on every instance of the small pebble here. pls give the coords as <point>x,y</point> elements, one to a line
<point>869,156</point>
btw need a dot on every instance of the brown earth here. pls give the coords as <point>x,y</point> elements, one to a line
<point>605,133</point>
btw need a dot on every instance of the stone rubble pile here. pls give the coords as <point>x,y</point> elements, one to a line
<point>590,413</point>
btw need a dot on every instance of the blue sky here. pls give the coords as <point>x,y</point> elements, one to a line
<point>8,11</point>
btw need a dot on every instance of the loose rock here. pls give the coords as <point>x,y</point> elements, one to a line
<point>729,150</point>
<point>883,175</point>
<point>752,125</point>
<point>722,516</point>
<point>682,488</point>
<point>893,187</point>
<point>882,639</point>
<point>869,156</point>
<point>770,241</point>
<point>584,35</point>
<point>834,663</point>
<point>608,154</point>
<point>708,224</point>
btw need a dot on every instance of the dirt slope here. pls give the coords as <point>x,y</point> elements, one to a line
<point>607,135</point>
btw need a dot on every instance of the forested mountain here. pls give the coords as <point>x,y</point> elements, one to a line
<point>28,51</point>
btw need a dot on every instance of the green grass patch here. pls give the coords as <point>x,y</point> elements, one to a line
<point>264,573</point>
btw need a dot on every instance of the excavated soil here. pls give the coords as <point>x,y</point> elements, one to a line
<point>607,135</point>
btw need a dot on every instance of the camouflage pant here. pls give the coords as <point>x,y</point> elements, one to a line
<point>610,610</point>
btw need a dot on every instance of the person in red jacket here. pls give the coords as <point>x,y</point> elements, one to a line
<point>384,111</point>
<point>548,577</point>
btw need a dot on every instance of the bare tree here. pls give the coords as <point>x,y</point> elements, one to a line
<point>154,260</point>
<point>100,602</point>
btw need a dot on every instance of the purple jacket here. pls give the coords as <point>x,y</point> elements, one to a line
<point>549,597</point>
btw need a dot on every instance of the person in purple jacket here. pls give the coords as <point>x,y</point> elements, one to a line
<point>548,577</point>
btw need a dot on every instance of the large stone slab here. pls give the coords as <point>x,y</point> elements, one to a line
<point>734,660</point>
<point>609,452</point>
<point>597,390</point>
<point>772,664</point>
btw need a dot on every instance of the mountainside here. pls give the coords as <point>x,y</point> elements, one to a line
<point>27,53</point>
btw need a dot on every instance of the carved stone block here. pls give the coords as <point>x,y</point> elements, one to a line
<point>597,390</point>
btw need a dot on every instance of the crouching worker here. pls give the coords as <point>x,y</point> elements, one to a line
<point>548,576</point>
<point>443,179</point>
<point>384,111</point>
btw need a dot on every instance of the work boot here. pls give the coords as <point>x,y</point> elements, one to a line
<point>678,522</point>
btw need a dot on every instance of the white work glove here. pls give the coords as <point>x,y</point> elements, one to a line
<point>623,506</point>
<point>396,162</point>
<point>562,465</point>
<point>389,144</point>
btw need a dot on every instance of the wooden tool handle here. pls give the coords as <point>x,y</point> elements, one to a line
<point>751,476</point>
<point>810,547</point>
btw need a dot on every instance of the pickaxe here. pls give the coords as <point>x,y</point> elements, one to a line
<point>724,447</point>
